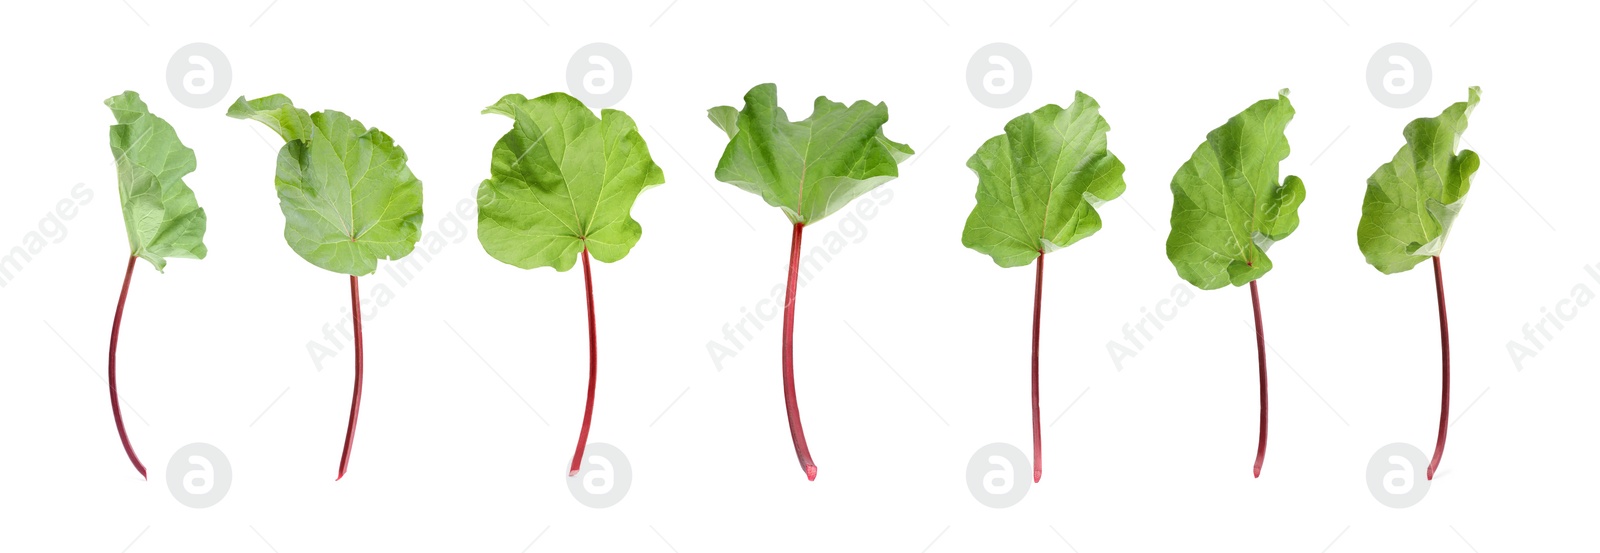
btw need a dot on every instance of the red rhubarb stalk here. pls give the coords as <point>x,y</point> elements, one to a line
<point>1038,296</point>
<point>111,370</point>
<point>1444,347</point>
<point>588,408</point>
<point>795,431</point>
<point>355,398</point>
<point>1261,359</point>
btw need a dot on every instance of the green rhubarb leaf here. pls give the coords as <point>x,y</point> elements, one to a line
<point>1040,182</point>
<point>807,168</point>
<point>1412,200</point>
<point>160,211</point>
<point>1228,207</point>
<point>561,181</point>
<point>347,196</point>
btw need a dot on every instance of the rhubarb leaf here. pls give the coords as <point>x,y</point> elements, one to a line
<point>347,196</point>
<point>807,168</point>
<point>1228,207</point>
<point>1040,182</point>
<point>1412,200</point>
<point>563,180</point>
<point>159,210</point>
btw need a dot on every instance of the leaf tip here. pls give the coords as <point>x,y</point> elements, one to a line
<point>504,105</point>
<point>1083,98</point>
<point>767,90</point>
<point>725,118</point>
<point>240,109</point>
<point>127,96</point>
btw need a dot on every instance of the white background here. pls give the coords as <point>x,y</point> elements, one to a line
<point>1155,457</point>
